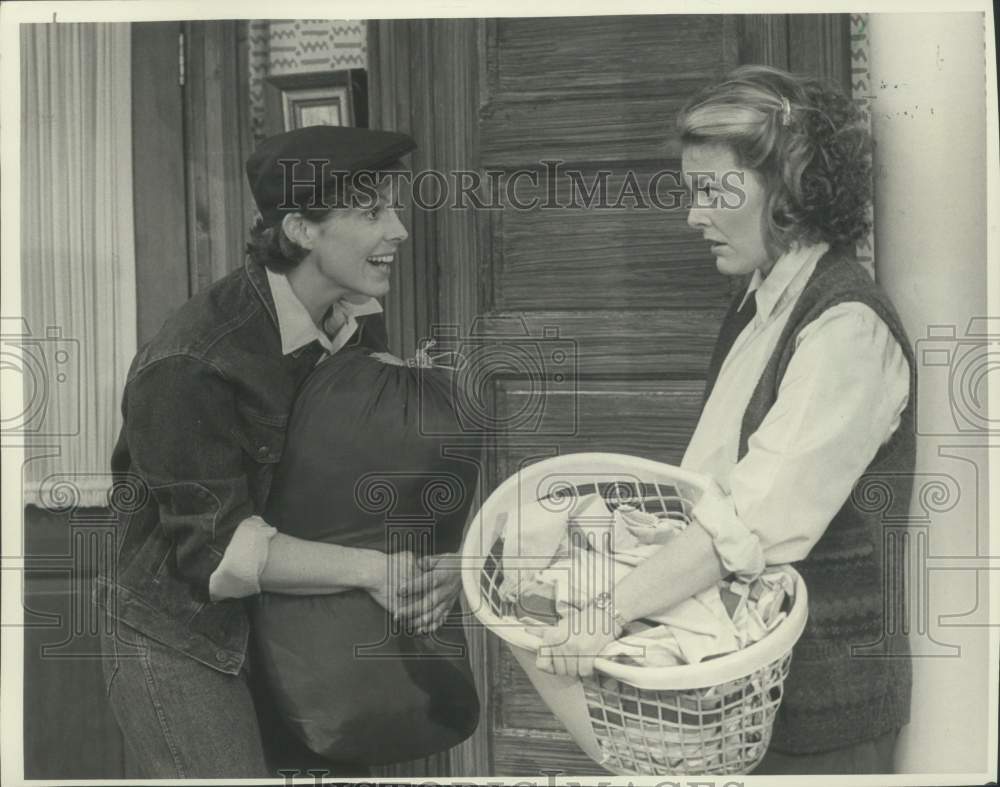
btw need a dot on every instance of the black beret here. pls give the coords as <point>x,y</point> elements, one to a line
<point>303,168</point>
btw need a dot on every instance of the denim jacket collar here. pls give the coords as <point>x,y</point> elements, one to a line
<point>257,276</point>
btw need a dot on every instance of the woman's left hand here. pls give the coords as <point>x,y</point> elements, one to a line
<point>426,601</point>
<point>563,652</point>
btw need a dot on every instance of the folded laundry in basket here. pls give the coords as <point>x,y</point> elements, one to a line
<point>727,617</point>
<point>689,632</point>
<point>536,604</point>
<point>542,530</point>
<point>653,647</point>
<point>755,607</point>
<point>770,591</point>
<point>539,529</point>
<point>686,633</point>
<point>561,553</point>
<point>701,627</point>
<point>644,527</point>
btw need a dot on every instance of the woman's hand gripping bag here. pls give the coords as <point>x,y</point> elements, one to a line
<point>365,466</point>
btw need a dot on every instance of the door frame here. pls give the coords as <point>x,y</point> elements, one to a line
<point>416,67</point>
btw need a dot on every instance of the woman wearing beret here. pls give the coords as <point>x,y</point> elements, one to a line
<point>810,390</point>
<point>205,409</point>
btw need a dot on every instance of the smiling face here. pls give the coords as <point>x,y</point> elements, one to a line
<point>727,207</point>
<point>352,250</point>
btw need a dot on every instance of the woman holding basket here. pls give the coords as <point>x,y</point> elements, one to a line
<point>810,396</point>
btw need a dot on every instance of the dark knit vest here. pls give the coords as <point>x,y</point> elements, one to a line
<point>849,680</point>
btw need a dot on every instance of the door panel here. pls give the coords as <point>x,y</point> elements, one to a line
<point>653,420</point>
<point>624,252</point>
<point>615,53</point>
<point>642,343</point>
<point>589,89</point>
<point>571,128</point>
<point>536,753</point>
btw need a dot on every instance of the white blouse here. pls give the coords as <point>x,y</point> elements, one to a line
<point>840,399</point>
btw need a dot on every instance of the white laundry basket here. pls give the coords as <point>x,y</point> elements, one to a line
<point>714,717</point>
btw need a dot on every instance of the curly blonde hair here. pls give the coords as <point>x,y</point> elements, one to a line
<point>807,141</point>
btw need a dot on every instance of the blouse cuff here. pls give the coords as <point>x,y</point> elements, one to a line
<point>238,574</point>
<point>737,546</point>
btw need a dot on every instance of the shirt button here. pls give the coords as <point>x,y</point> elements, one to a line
<point>221,656</point>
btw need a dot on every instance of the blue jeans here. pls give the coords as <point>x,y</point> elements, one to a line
<point>181,719</point>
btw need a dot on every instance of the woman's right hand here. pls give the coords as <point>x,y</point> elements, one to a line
<point>394,571</point>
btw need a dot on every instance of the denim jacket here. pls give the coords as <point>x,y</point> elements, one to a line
<point>205,408</point>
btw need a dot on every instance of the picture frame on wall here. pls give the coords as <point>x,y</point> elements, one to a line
<point>318,106</point>
<point>331,98</point>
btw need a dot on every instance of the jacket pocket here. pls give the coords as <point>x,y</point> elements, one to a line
<point>261,436</point>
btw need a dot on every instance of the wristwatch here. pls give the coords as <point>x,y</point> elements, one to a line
<point>605,603</point>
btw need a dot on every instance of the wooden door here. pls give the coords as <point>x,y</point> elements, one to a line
<point>627,291</point>
<point>627,287</point>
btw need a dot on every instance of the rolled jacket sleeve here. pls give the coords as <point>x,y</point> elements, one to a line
<point>840,399</point>
<point>182,437</point>
<point>238,574</point>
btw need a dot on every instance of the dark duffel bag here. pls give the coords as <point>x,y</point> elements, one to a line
<point>365,465</point>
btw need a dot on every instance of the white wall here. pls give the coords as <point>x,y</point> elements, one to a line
<point>929,121</point>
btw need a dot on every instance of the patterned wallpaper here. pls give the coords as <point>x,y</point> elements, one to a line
<point>326,45</point>
<point>279,48</point>
<point>862,95</point>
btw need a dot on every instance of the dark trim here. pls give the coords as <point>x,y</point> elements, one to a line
<point>820,44</point>
<point>425,80</point>
<point>217,140</point>
<point>356,80</point>
<point>159,213</point>
<point>763,39</point>
<point>817,44</point>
